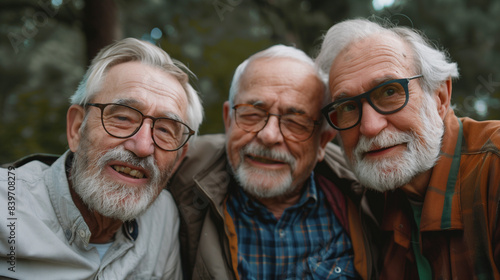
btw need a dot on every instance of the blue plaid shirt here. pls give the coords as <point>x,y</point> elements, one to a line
<point>307,242</point>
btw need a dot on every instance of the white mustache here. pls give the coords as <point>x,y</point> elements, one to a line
<point>120,154</point>
<point>383,140</point>
<point>260,151</point>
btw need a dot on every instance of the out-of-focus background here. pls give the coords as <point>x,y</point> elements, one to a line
<point>46,46</point>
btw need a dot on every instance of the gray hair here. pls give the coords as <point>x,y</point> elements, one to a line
<point>131,49</point>
<point>276,51</point>
<point>434,64</point>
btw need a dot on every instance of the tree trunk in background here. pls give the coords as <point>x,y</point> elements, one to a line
<point>101,25</point>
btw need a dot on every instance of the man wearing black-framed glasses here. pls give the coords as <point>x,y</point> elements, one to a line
<point>122,121</point>
<point>100,211</point>
<point>271,199</point>
<point>387,98</point>
<point>437,176</point>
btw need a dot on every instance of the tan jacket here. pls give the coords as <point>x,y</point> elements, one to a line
<point>200,188</point>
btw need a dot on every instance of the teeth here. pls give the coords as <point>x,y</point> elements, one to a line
<point>127,170</point>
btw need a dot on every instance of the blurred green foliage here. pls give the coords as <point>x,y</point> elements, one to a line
<point>44,50</point>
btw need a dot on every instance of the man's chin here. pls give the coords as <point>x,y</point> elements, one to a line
<point>264,184</point>
<point>382,180</point>
<point>127,187</point>
<point>378,187</point>
<point>125,210</point>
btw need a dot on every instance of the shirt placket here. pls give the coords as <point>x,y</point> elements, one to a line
<point>281,234</point>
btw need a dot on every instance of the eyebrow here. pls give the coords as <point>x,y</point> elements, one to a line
<point>139,105</point>
<point>375,83</point>
<point>262,104</point>
<point>126,101</point>
<point>255,102</point>
<point>295,110</point>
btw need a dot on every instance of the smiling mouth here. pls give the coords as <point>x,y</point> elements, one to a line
<point>378,150</point>
<point>134,173</point>
<point>264,160</point>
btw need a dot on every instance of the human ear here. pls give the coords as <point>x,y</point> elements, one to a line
<point>326,136</point>
<point>74,120</point>
<point>443,97</point>
<point>226,115</point>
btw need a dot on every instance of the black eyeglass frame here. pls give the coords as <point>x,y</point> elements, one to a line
<point>235,107</point>
<point>154,119</point>
<point>403,82</point>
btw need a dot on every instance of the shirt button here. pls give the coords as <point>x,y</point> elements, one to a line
<point>81,233</point>
<point>282,233</point>
<point>338,269</point>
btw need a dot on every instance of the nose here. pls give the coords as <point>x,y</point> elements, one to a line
<point>372,122</point>
<point>141,143</point>
<point>271,135</point>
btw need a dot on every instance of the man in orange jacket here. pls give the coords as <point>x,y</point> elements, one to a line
<point>391,94</point>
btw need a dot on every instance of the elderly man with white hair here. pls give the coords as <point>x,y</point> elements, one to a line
<point>100,211</point>
<point>272,199</point>
<point>391,93</point>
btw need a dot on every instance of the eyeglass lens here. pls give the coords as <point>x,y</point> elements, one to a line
<point>121,121</point>
<point>293,126</point>
<point>385,99</point>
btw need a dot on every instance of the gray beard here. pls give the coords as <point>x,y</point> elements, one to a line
<point>113,199</point>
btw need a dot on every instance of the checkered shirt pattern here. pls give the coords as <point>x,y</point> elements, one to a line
<point>307,242</point>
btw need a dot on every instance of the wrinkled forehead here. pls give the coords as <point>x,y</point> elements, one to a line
<point>369,61</point>
<point>145,87</point>
<point>283,68</point>
<point>372,51</point>
<point>289,82</point>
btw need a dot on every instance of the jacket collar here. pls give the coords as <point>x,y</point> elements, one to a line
<point>441,206</point>
<point>75,228</point>
<point>441,209</point>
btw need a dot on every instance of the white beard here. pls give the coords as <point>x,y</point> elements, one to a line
<point>421,154</point>
<point>263,183</point>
